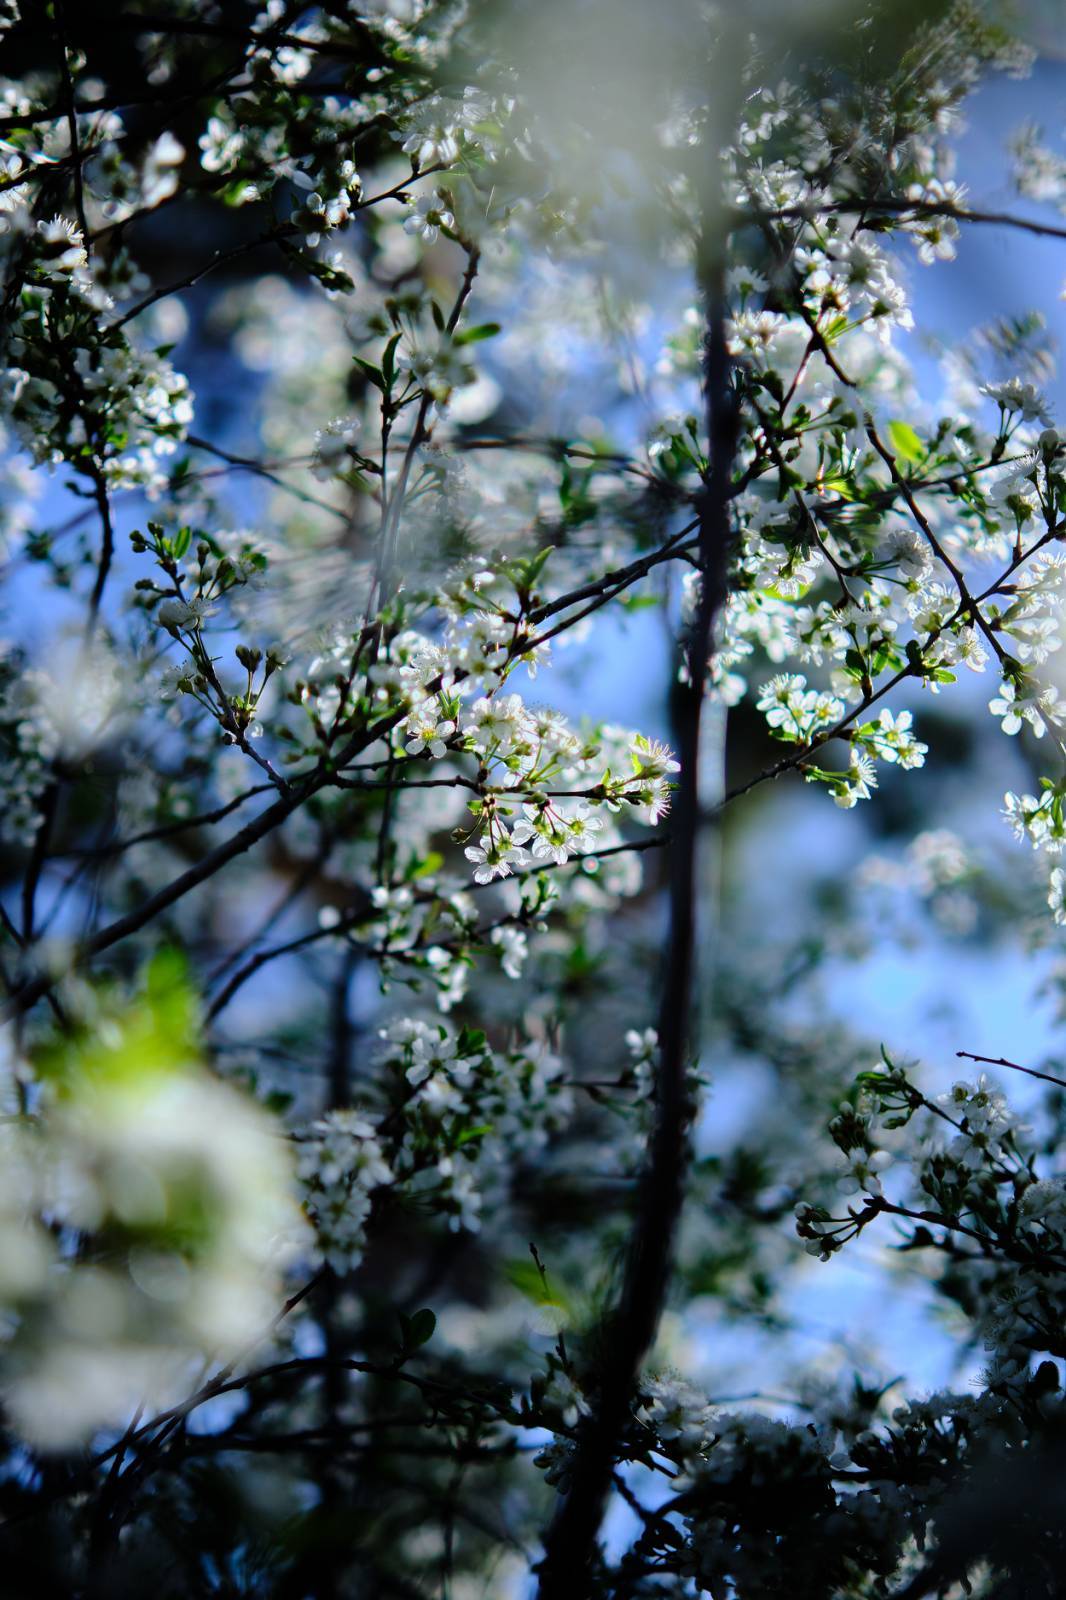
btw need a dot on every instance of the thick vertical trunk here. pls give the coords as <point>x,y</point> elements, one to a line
<point>571,1540</point>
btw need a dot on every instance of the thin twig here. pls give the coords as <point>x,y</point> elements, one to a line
<point>1001,1061</point>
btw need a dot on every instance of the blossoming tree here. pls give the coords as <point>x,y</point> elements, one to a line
<point>340,964</point>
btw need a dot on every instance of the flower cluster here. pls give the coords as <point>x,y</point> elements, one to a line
<point>341,1165</point>
<point>1038,818</point>
<point>76,391</point>
<point>457,1116</point>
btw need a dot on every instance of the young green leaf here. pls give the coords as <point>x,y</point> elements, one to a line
<point>906,442</point>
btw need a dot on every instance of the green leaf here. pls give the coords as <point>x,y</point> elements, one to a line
<point>388,360</point>
<point>469,1134</point>
<point>484,330</point>
<point>771,382</point>
<point>528,1281</point>
<point>374,374</point>
<point>416,1330</point>
<point>533,569</point>
<point>181,542</point>
<point>420,1328</point>
<point>427,866</point>
<point>885,655</point>
<point>906,442</point>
